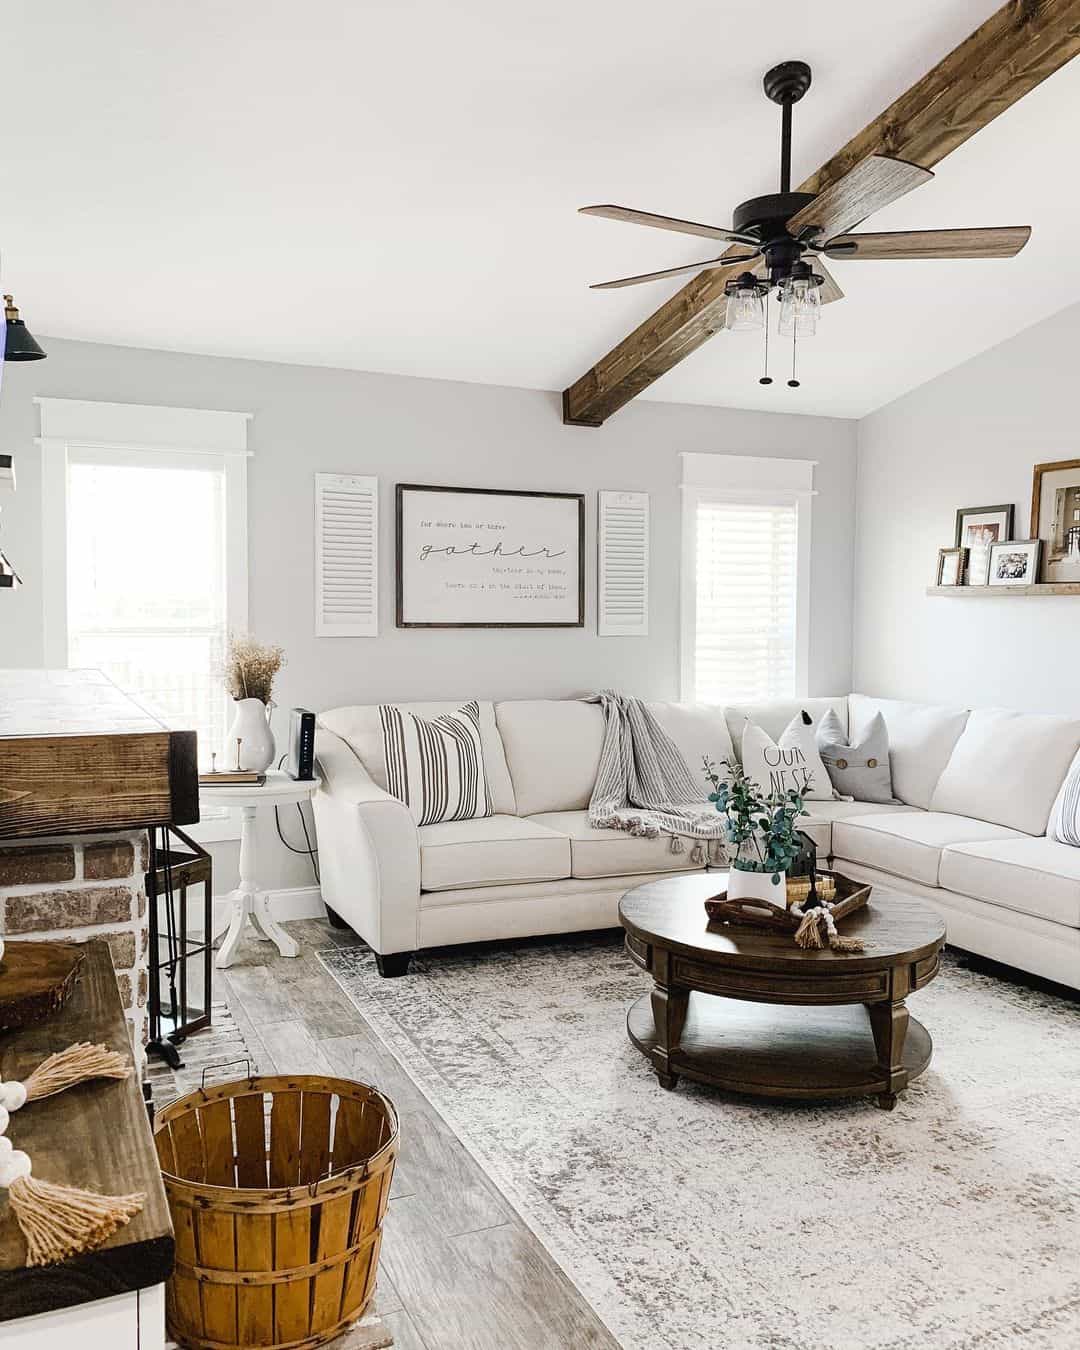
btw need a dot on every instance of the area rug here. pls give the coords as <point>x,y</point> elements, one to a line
<point>697,1220</point>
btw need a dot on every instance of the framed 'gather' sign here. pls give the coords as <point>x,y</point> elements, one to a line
<point>489,558</point>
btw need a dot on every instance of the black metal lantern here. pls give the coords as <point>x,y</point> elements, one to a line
<point>181,940</point>
<point>20,344</point>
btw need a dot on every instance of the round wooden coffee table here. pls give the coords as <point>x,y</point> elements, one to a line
<point>746,1010</point>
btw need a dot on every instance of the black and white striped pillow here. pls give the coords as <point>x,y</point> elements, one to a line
<point>1065,817</point>
<point>435,765</point>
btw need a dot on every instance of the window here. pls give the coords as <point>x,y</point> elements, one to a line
<point>146,569</point>
<point>146,592</point>
<point>746,535</point>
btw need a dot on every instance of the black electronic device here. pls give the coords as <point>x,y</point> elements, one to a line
<point>300,763</point>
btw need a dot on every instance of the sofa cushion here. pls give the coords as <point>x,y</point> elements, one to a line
<point>921,739</point>
<point>1036,876</point>
<point>775,715</point>
<point>909,843</point>
<point>552,750</point>
<point>699,730</point>
<point>614,853</point>
<point>490,852</point>
<point>359,725</point>
<point>1007,767</point>
<point>823,815</point>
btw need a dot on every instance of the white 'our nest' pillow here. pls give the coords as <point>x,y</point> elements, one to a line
<point>792,763</point>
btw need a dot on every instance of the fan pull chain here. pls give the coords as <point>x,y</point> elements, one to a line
<point>766,378</point>
<point>793,383</point>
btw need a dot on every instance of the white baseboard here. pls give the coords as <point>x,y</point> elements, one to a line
<point>290,902</point>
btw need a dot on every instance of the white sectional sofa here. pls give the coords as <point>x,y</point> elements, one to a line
<point>974,788</point>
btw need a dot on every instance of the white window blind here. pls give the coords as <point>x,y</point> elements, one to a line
<point>623,564</point>
<point>146,584</point>
<point>346,555</point>
<point>745,596</point>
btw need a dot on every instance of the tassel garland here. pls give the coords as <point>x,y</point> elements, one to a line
<point>809,934</point>
<point>60,1221</point>
<point>77,1064</point>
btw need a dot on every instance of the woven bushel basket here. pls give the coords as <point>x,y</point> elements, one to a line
<point>278,1187</point>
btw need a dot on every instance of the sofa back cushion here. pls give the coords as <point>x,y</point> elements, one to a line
<point>775,716</point>
<point>361,727</point>
<point>1007,768</point>
<point>699,730</point>
<point>921,740</point>
<point>552,750</point>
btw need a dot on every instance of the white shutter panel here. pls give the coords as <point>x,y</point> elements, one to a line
<point>623,564</point>
<point>745,601</point>
<point>346,555</point>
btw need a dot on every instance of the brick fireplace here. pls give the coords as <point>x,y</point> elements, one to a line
<point>78,888</point>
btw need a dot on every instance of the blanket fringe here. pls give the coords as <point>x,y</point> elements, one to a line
<point>676,845</point>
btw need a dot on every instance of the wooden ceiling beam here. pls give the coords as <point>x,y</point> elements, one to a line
<point>1017,48</point>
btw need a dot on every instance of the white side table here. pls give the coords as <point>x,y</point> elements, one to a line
<point>247,900</point>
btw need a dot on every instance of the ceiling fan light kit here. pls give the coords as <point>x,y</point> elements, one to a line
<point>777,241</point>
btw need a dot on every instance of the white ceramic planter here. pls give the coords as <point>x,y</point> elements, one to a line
<point>251,726</point>
<point>756,886</point>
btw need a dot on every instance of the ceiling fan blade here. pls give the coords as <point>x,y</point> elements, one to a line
<point>1003,241</point>
<point>633,217</point>
<point>873,183</point>
<point>669,272</point>
<point>828,290</point>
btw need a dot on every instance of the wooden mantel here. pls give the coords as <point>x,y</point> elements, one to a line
<point>77,755</point>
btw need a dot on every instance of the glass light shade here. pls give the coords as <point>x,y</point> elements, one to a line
<point>745,310</point>
<point>800,302</point>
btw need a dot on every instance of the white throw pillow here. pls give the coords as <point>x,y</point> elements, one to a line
<point>793,762</point>
<point>1065,817</point>
<point>435,765</point>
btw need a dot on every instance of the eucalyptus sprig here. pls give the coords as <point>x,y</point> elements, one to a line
<point>760,827</point>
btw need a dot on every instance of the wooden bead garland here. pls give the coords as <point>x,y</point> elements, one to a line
<point>60,1221</point>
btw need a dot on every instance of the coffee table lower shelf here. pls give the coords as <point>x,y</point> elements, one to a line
<point>778,1050</point>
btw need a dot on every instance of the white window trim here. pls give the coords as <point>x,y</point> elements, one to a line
<point>70,427</point>
<point>732,478</point>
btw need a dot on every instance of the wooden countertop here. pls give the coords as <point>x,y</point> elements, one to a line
<point>96,1136</point>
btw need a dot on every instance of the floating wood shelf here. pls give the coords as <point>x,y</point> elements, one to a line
<point>991,592</point>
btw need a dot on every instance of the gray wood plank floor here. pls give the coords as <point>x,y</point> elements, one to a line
<point>459,1270</point>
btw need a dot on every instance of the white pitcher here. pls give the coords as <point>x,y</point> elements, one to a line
<point>251,726</point>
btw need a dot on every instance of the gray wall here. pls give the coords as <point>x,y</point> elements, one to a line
<point>968,438</point>
<point>403,429</point>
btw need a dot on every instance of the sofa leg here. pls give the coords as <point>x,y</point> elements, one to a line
<point>336,921</point>
<point>393,964</point>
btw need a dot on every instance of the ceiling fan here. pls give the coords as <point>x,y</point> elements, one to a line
<point>782,237</point>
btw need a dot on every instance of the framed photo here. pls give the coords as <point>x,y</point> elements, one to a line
<point>977,527</point>
<point>489,558</point>
<point>951,565</point>
<point>1055,518</point>
<point>1015,562</point>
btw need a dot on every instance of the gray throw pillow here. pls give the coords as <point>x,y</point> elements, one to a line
<point>858,770</point>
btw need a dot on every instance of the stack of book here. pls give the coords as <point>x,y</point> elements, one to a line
<point>233,777</point>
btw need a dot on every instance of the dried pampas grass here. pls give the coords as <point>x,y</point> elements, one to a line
<point>250,668</point>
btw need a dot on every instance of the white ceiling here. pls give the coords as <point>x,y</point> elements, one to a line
<point>392,185</point>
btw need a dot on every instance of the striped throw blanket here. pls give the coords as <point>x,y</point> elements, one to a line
<point>644,785</point>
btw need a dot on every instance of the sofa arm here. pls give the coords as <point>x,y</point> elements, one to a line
<point>369,851</point>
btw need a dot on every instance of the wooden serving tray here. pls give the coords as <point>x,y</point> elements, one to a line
<point>850,896</point>
<point>36,979</point>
